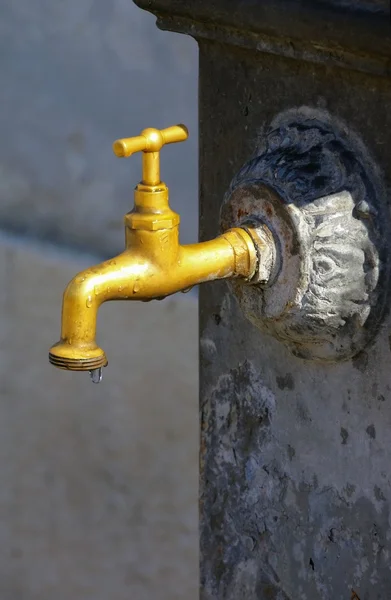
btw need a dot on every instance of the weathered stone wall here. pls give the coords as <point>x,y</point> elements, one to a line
<point>296,485</point>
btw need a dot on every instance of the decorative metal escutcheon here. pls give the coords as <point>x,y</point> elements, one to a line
<point>314,187</point>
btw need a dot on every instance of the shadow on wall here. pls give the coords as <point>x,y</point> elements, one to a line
<point>76,76</point>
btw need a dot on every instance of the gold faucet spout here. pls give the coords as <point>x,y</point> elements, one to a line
<point>117,278</point>
<point>136,276</point>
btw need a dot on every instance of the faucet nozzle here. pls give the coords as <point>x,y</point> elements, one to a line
<point>75,357</point>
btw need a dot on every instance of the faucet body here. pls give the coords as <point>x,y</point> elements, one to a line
<point>153,264</point>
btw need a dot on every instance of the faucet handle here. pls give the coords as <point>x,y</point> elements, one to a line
<point>150,142</point>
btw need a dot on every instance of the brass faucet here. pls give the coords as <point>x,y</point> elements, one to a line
<point>153,264</point>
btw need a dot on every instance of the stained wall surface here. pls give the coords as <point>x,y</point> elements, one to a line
<point>296,485</point>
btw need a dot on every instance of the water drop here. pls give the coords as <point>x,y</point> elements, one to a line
<point>96,375</point>
<point>136,287</point>
<point>89,302</point>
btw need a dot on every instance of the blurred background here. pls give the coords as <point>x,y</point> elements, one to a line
<point>98,494</point>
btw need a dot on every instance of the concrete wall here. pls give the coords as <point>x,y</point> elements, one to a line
<point>98,484</point>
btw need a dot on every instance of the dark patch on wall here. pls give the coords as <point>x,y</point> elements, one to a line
<point>350,488</point>
<point>360,361</point>
<point>285,382</point>
<point>303,412</point>
<point>217,318</point>
<point>344,435</point>
<point>379,494</point>
<point>291,452</point>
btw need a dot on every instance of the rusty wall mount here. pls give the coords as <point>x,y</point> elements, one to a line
<point>312,184</point>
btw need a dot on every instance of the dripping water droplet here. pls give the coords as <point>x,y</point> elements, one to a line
<point>96,375</point>
<point>89,302</point>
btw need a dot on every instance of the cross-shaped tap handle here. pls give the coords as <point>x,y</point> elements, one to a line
<point>150,142</point>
